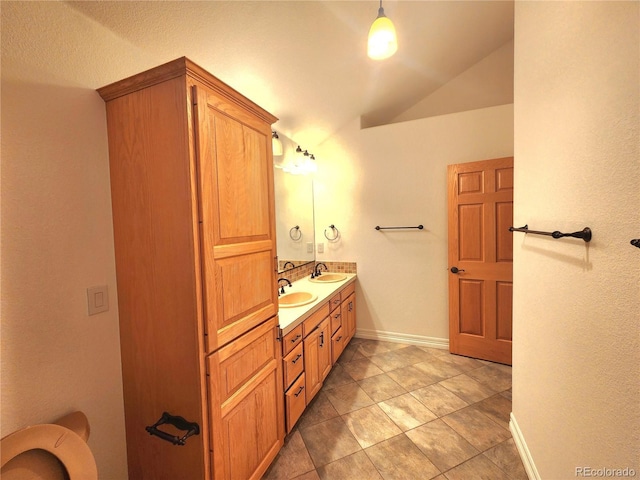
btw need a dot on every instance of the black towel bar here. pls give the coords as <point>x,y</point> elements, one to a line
<point>584,234</point>
<point>419,227</point>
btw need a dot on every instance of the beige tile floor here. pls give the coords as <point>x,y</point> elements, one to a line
<point>397,411</point>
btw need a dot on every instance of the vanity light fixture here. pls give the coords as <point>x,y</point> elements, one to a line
<point>295,165</point>
<point>383,41</point>
<point>276,144</point>
<point>301,163</point>
<point>312,166</point>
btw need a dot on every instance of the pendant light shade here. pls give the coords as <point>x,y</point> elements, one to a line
<point>383,42</point>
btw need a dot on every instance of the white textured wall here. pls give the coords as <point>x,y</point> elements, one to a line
<point>487,83</point>
<point>576,395</point>
<point>57,236</point>
<point>396,175</point>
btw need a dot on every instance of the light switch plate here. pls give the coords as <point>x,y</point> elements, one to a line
<point>321,247</point>
<point>97,299</point>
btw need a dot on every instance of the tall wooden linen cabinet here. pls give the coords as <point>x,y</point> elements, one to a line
<point>193,216</point>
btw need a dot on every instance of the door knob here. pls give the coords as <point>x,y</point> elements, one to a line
<point>456,270</point>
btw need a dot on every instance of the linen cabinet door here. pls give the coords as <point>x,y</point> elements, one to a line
<point>246,404</point>
<point>237,214</point>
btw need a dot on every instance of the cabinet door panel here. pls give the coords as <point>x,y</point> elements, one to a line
<point>235,310</point>
<point>236,177</point>
<point>250,431</point>
<point>245,358</point>
<point>351,312</point>
<point>241,176</point>
<point>246,404</point>
<point>237,218</point>
<point>324,349</point>
<point>348,310</point>
<point>311,368</point>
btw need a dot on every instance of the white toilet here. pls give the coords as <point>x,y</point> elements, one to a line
<point>49,451</point>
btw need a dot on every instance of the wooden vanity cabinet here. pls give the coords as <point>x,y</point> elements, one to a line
<point>324,335</point>
<point>193,207</point>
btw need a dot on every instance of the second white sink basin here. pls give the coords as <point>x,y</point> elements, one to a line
<point>328,278</point>
<point>296,299</point>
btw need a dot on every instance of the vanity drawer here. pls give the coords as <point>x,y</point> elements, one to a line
<point>335,301</point>
<point>314,320</point>
<point>348,290</point>
<point>336,320</point>
<point>337,345</point>
<point>295,402</point>
<point>293,365</point>
<point>291,339</point>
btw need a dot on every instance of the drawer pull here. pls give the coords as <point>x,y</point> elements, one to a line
<point>299,391</point>
<point>339,338</point>
<point>180,423</point>
<point>295,360</point>
<point>296,338</point>
<point>337,315</point>
<point>322,339</point>
<point>336,301</point>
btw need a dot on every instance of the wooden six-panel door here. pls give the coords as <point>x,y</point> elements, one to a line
<point>481,259</point>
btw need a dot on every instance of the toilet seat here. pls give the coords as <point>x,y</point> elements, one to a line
<point>64,444</point>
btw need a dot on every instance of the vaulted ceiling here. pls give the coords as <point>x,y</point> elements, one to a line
<point>305,61</point>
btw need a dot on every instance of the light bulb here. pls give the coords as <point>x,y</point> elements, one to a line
<point>382,38</point>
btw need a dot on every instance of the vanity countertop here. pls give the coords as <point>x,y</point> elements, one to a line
<point>291,317</point>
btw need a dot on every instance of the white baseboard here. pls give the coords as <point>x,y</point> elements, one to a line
<point>432,342</point>
<point>523,450</point>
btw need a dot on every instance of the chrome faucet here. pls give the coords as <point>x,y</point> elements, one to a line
<point>317,272</point>
<point>281,291</point>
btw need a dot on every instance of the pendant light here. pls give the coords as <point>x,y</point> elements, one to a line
<point>382,37</point>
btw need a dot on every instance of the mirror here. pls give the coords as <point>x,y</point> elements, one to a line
<point>294,219</point>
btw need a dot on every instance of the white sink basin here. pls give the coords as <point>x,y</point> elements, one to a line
<point>296,299</point>
<point>328,278</point>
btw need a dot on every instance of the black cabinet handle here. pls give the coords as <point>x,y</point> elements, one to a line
<point>180,423</point>
<point>296,338</point>
<point>322,339</point>
<point>295,360</point>
<point>299,392</point>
